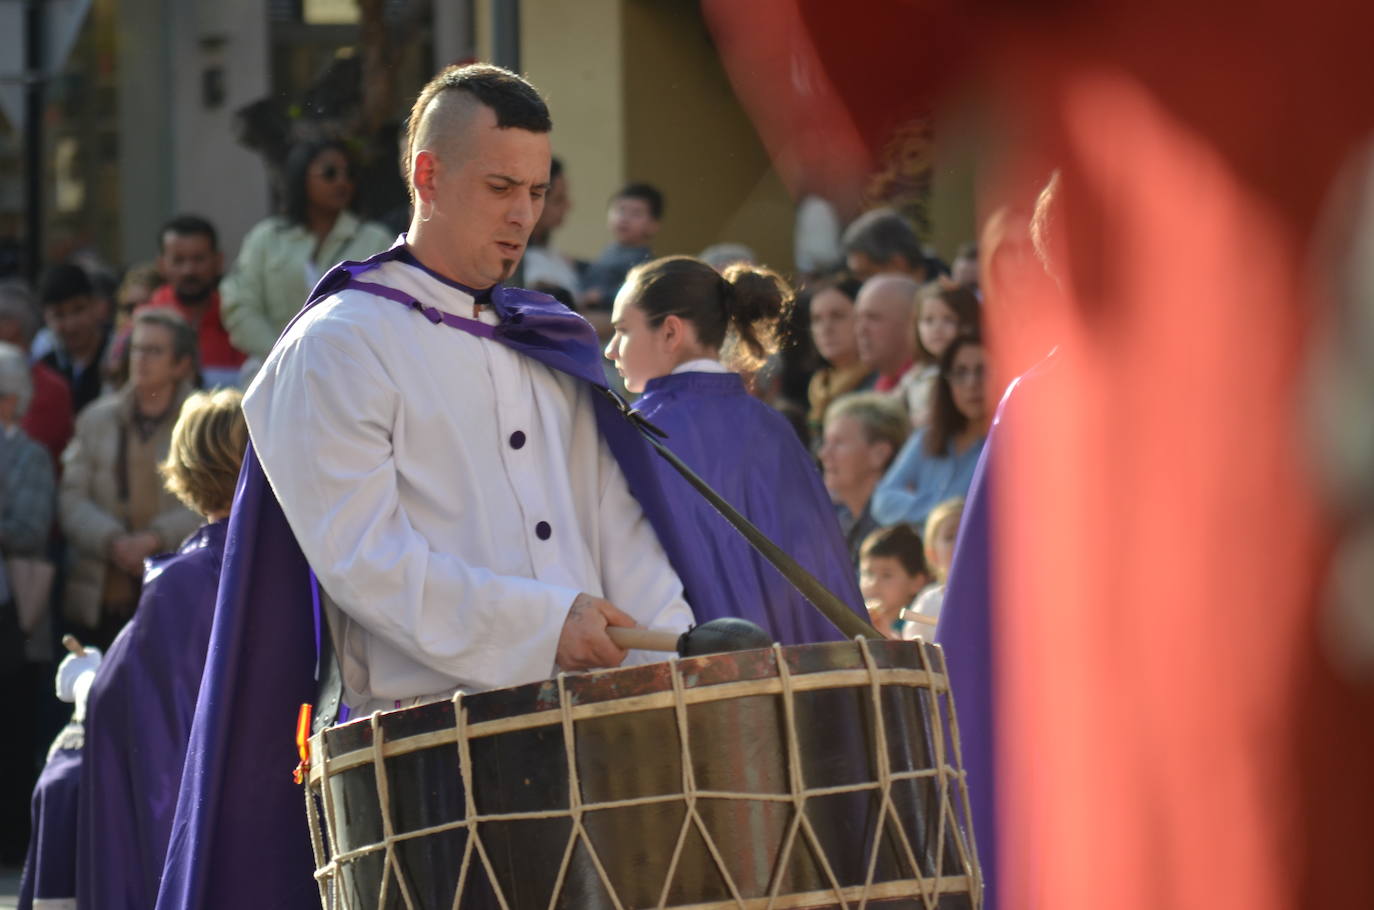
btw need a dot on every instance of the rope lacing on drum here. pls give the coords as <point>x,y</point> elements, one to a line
<point>931,687</point>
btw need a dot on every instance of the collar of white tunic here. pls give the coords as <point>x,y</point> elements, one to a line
<point>702,365</point>
<point>440,292</point>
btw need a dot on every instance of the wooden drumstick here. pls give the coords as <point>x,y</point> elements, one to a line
<point>643,639</point>
<point>70,642</point>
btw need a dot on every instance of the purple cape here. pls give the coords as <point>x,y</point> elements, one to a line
<point>752,457</point>
<point>50,869</point>
<point>138,719</point>
<point>240,837</point>
<point>966,632</point>
<point>966,635</point>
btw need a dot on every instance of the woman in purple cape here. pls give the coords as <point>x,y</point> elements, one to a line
<point>138,718</point>
<point>678,323</point>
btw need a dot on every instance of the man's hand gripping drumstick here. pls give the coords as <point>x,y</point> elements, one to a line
<point>584,643</point>
<point>596,634</point>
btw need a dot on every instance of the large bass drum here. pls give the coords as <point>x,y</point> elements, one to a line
<point>810,776</point>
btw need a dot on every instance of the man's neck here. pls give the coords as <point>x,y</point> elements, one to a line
<point>86,355</point>
<point>417,243</point>
<point>895,371</point>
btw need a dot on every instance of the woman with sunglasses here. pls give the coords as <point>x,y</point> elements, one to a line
<point>937,462</point>
<point>284,255</point>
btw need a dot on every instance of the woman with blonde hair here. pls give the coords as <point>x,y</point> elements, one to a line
<point>139,713</point>
<point>942,529</point>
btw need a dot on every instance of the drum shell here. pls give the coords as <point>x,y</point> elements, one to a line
<point>802,720</point>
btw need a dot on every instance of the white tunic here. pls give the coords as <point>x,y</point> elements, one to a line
<point>452,496</point>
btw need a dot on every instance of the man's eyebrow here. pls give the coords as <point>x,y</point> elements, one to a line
<point>516,181</point>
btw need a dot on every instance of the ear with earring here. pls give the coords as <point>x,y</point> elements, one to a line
<point>423,169</point>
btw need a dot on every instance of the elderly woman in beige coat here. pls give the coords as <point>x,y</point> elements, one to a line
<point>112,505</point>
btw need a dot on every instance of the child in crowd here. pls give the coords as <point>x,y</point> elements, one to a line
<point>892,571</point>
<point>943,313</point>
<point>633,218</point>
<point>942,529</point>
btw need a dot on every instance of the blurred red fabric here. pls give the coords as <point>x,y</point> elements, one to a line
<point>1174,735</point>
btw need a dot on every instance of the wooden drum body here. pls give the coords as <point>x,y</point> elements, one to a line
<point>809,776</point>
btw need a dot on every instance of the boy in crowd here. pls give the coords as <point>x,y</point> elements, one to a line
<point>892,571</point>
<point>634,217</point>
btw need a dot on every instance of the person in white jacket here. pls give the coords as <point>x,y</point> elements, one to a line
<point>467,523</point>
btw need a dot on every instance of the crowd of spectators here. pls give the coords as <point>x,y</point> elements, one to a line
<point>876,363</point>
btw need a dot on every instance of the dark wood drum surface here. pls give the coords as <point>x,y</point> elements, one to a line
<point>804,776</point>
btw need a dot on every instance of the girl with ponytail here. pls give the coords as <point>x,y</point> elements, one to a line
<point>681,330</point>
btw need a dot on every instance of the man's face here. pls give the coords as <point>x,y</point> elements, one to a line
<point>849,461</point>
<point>631,222</point>
<point>557,204</point>
<point>152,364</point>
<point>190,264</point>
<point>487,197</point>
<point>883,327</point>
<point>76,323</point>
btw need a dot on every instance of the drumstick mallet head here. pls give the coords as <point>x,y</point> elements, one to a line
<point>725,634</point>
<point>719,635</point>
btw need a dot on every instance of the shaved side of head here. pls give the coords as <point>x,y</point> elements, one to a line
<point>443,126</point>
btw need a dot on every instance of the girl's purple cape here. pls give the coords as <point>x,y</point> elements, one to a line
<point>751,456</point>
<point>239,838</point>
<point>138,719</point>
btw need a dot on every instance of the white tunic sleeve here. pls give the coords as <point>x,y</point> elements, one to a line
<point>321,417</point>
<point>633,563</point>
